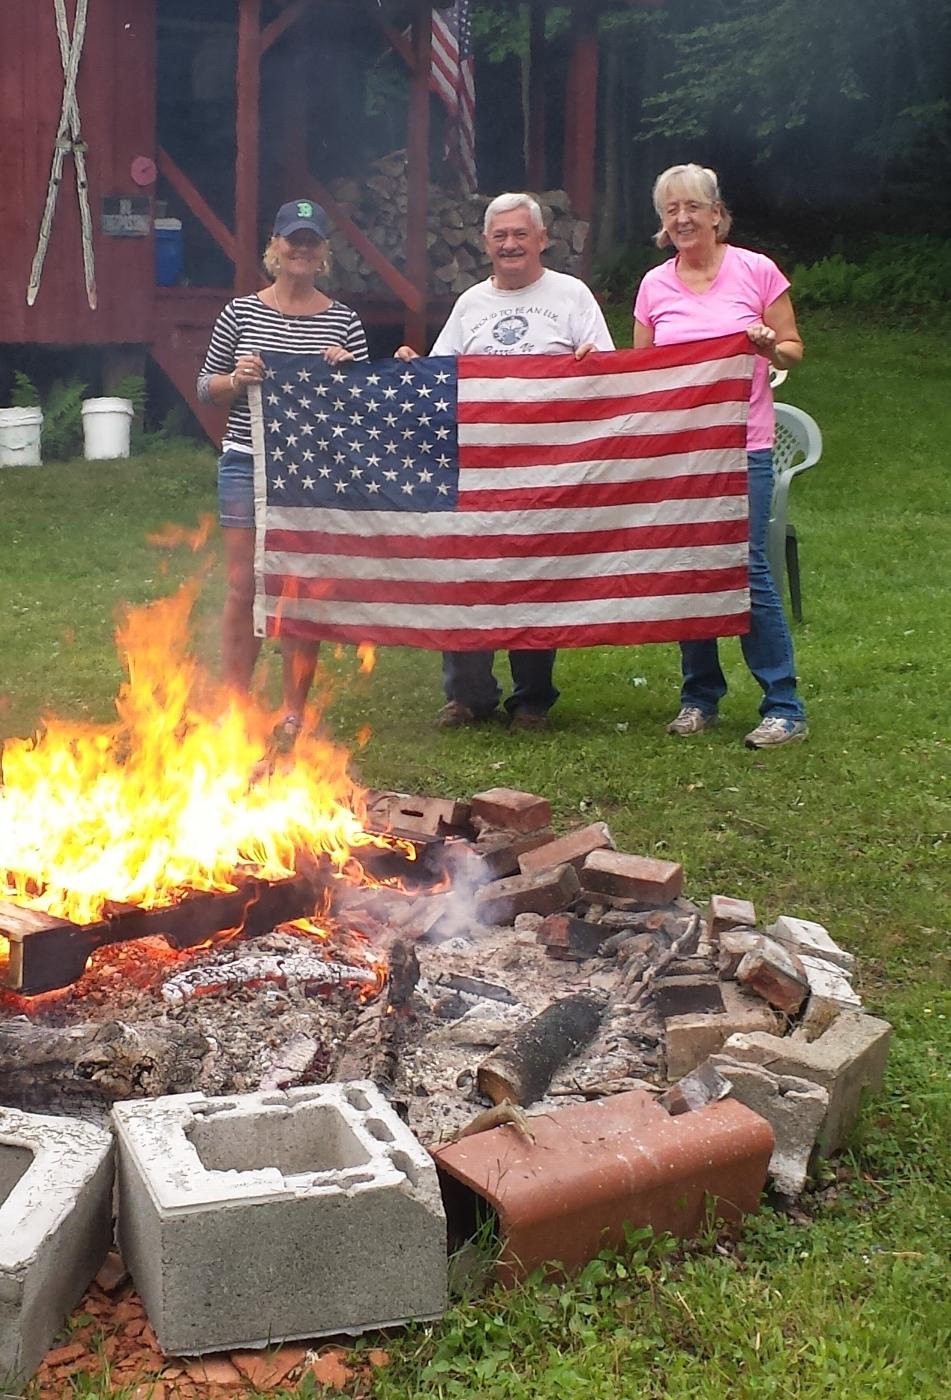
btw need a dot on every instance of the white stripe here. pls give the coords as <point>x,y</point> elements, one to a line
<point>654,424</point>
<point>641,561</point>
<point>532,389</point>
<point>695,464</point>
<point>444,42</point>
<point>588,612</point>
<point>352,524</point>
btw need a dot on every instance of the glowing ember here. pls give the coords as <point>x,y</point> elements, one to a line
<point>160,801</point>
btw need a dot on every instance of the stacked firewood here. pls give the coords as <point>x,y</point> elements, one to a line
<point>377,205</point>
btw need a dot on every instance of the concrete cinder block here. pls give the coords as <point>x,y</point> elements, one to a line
<point>690,1039</point>
<point>796,1109</point>
<point>55,1229</point>
<point>268,1217</point>
<point>847,1060</point>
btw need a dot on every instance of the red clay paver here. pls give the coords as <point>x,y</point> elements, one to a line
<point>595,1167</point>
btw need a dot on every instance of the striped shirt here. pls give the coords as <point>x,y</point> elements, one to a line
<point>246,326</point>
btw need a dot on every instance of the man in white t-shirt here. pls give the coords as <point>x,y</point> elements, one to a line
<point>522,309</point>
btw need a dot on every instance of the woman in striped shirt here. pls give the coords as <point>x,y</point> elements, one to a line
<point>290,314</point>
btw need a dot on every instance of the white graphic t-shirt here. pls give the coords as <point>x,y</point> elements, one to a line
<point>552,316</point>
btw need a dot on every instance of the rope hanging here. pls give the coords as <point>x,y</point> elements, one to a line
<point>68,142</point>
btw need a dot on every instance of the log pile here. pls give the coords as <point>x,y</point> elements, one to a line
<point>377,204</point>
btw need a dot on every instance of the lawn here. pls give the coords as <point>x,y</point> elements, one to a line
<point>849,1296</point>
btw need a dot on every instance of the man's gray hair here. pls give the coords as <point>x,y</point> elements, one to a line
<point>505,203</point>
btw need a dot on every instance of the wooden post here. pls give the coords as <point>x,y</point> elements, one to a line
<point>581,112</point>
<point>298,72</point>
<point>246,277</point>
<point>417,156</point>
<point>537,76</point>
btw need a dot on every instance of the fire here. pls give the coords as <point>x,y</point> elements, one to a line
<point>160,801</point>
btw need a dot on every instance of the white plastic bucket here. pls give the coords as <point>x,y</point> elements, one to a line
<point>107,428</point>
<point>20,433</point>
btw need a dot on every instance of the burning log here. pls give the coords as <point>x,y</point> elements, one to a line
<point>47,952</point>
<point>312,974</point>
<point>523,1066</point>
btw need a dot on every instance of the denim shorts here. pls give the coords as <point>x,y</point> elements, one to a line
<point>236,489</point>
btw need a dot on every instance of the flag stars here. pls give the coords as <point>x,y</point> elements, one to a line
<point>274,426</point>
<point>425,476</point>
<point>406,377</point>
<point>337,377</point>
<point>308,483</point>
<point>372,405</point>
<point>441,405</point>
<point>373,379</point>
<point>291,415</point>
<point>442,489</point>
<point>390,420</point>
<point>304,402</point>
<point>390,391</point>
<point>356,391</point>
<point>338,430</point>
<point>390,446</point>
<point>278,454</point>
<point>307,455</point>
<point>323,471</point>
<point>279,483</point>
<point>307,428</point>
<point>408,463</point>
<point>322,390</point>
<point>442,434</point>
<point>339,405</point>
<point>373,434</point>
<point>407,488</point>
<point>272,399</point>
<point>356,419</point>
<point>390,476</point>
<point>373,487</point>
<point>373,460</point>
<point>340,486</point>
<point>407,406</point>
<point>443,461</point>
<point>304,376</point>
<point>442,376</point>
<point>423,390</point>
<point>340,458</point>
<point>287,388</point>
<point>407,434</point>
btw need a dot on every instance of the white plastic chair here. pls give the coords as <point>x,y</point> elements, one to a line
<point>798,446</point>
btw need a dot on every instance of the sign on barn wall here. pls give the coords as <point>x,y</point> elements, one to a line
<point>126,216</point>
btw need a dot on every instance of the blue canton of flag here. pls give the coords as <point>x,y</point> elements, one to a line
<point>360,437</point>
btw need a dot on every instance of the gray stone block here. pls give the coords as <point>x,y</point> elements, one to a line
<point>55,1229</point>
<point>690,1039</point>
<point>847,1060</point>
<point>266,1217</point>
<point>795,1109</point>
<point>806,937</point>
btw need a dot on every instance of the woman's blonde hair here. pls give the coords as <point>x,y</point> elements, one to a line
<point>696,182</point>
<point>272,263</point>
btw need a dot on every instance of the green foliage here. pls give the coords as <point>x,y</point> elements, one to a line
<point>895,274</point>
<point>24,393</point>
<point>617,278</point>
<point>62,420</point>
<point>133,388</point>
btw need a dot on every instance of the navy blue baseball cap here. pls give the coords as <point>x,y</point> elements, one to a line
<point>298,214</point>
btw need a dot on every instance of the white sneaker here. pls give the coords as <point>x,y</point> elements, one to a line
<point>691,720</point>
<point>774,730</point>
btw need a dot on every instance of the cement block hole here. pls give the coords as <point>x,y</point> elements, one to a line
<point>15,1162</point>
<point>319,1140</point>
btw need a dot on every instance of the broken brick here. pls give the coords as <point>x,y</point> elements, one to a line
<point>734,945</point>
<point>690,1039</point>
<point>495,854</point>
<point>641,878</point>
<point>725,912</point>
<point>545,893</point>
<point>510,809</point>
<point>687,996</point>
<point>775,974</point>
<point>429,816</point>
<point>569,938</point>
<point>795,1109</point>
<point>571,849</point>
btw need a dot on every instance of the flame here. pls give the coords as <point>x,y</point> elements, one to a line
<point>160,800</point>
<point>366,653</point>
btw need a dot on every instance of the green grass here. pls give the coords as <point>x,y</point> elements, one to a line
<point>851,828</point>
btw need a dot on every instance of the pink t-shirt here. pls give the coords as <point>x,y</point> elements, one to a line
<point>745,286</point>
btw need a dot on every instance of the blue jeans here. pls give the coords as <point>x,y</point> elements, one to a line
<point>467,679</point>
<point>767,646</point>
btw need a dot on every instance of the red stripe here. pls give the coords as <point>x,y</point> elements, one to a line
<point>621,447</point>
<point>685,582</point>
<point>594,495</point>
<point>690,629</point>
<point>695,352</point>
<point>541,546</point>
<point>574,410</point>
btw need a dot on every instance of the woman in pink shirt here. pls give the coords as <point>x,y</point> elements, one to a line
<point>711,288</point>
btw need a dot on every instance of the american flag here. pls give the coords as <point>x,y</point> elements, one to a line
<point>453,78</point>
<point>512,501</point>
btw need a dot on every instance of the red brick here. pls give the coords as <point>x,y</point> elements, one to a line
<point>512,810</point>
<point>596,1168</point>
<point>776,974</point>
<point>569,938</point>
<point>571,849</point>
<point>622,876</point>
<point>725,912</point>
<point>545,893</point>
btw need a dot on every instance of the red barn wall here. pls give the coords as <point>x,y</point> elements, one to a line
<point>116,95</point>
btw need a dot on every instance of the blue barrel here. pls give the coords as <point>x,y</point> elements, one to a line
<point>169,252</point>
